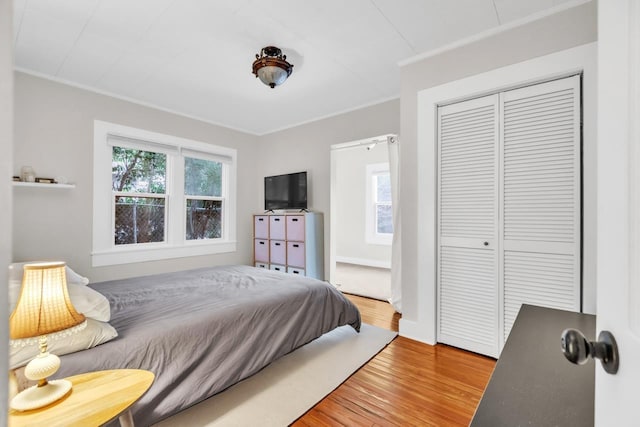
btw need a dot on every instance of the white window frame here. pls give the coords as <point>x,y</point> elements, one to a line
<point>223,198</point>
<point>372,236</point>
<point>105,252</point>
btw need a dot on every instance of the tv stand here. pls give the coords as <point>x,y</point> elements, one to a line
<point>290,242</point>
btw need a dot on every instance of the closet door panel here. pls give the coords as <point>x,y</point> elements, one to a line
<point>468,315</point>
<point>541,197</point>
<point>467,188</point>
<point>543,279</point>
<point>509,210</point>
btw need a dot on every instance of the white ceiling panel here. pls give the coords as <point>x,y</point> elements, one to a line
<point>125,20</point>
<point>511,10</point>
<point>429,24</point>
<point>44,41</point>
<point>90,58</point>
<point>306,18</point>
<point>194,57</point>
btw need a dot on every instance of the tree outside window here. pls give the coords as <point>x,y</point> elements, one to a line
<point>203,198</point>
<point>139,195</point>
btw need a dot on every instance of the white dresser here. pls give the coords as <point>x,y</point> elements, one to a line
<point>290,242</point>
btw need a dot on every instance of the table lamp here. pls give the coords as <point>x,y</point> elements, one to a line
<point>43,309</point>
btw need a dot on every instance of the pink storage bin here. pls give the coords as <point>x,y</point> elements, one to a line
<point>277,225</point>
<point>278,252</point>
<point>261,226</point>
<point>295,227</point>
<point>295,254</point>
<point>261,250</point>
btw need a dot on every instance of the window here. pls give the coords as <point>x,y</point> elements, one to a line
<point>139,195</point>
<point>158,196</point>
<point>379,210</point>
<point>203,198</point>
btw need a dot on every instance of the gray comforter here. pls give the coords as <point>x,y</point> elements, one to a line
<point>201,331</point>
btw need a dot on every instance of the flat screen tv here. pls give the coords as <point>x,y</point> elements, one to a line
<point>287,191</point>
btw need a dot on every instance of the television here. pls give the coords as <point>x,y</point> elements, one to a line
<point>287,191</point>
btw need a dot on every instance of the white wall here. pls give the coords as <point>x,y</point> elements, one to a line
<point>54,134</point>
<point>570,28</point>
<point>307,147</point>
<point>6,160</point>
<point>351,204</point>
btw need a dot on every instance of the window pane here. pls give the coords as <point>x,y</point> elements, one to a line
<point>202,177</point>
<point>204,219</point>
<point>384,222</point>
<point>139,220</point>
<point>138,171</point>
<point>383,188</point>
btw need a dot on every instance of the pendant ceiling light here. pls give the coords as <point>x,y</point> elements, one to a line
<point>271,66</point>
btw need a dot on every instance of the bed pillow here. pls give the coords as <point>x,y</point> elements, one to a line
<point>90,302</point>
<point>16,271</point>
<point>95,333</point>
<point>87,301</point>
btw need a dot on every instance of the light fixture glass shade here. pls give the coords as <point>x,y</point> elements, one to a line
<point>272,75</point>
<point>43,308</point>
<point>271,66</point>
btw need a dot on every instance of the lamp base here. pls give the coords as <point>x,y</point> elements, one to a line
<point>36,397</point>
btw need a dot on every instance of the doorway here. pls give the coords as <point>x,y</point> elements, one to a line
<point>361,218</point>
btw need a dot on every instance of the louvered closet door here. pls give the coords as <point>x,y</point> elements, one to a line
<point>467,257</point>
<point>541,198</point>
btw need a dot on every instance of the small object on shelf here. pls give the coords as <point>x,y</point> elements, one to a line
<point>16,179</point>
<point>45,180</point>
<point>28,174</point>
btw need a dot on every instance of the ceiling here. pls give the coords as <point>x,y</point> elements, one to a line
<point>193,57</point>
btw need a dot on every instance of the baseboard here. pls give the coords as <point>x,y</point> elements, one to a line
<point>364,261</point>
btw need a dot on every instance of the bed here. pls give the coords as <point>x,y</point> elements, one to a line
<point>201,331</point>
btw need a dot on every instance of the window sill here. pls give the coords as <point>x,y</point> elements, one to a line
<point>379,240</point>
<point>132,255</point>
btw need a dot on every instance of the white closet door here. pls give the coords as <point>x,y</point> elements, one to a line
<point>467,258</point>
<point>541,198</point>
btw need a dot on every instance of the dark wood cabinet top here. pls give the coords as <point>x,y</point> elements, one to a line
<point>533,384</point>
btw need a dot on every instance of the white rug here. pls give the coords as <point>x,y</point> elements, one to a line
<point>290,386</point>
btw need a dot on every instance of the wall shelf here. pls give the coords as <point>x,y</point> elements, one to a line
<point>41,185</point>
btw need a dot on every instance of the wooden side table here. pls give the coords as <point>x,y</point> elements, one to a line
<point>95,399</point>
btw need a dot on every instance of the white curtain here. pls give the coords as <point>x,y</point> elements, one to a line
<point>396,268</point>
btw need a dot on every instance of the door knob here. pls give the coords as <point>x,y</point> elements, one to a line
<point>577,349</point>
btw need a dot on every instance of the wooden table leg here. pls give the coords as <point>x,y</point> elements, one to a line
<point>126,419</point>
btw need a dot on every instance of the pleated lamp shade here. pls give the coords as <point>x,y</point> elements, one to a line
<point>43,309</point>
<point>44,306</point>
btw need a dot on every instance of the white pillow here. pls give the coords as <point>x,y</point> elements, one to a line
<point>90,302</point>
<point>87,301</point>
<point>16,271</point>
<point>95,333</point>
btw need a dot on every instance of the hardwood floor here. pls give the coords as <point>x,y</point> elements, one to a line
<point>406,384</point>
<point>376,313</point>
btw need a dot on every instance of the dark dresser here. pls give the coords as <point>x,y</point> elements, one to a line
<point>533,384</point>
